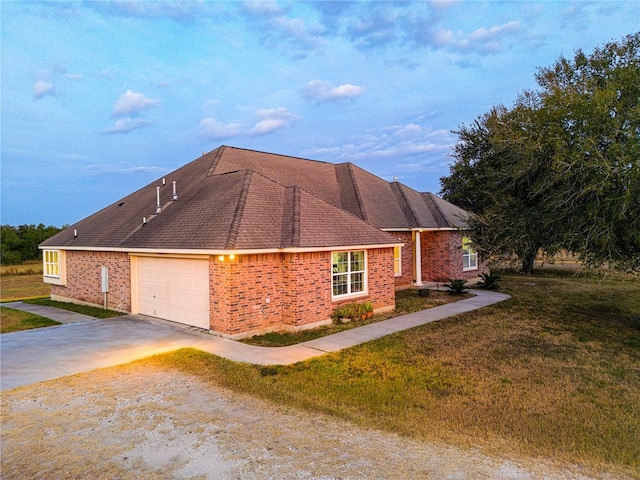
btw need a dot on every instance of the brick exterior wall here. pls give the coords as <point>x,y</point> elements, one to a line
<point>298,286</point>
<point>84,279</point>
<point>307,288</point>
<point>441,253</point>
<point>246,294</point>
<point>249,295</point>
<point>442,257</point>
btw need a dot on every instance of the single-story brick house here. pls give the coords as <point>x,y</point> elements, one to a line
<point>241,242</point>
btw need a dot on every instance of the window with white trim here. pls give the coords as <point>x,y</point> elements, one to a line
<point>469,255</point>
<point>397,261</point>
<point>349,271</point>
<point>51,263</point>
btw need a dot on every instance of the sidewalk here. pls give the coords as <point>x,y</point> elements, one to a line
<point>82,345</point>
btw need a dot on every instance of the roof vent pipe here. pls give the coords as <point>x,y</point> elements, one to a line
<point>163,181</point>
<point>144,220</point>
<point>75,233</point>
<point>174,197</point>
<point>158,207</point>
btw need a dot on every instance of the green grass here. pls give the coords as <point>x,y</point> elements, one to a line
<point>553,372</point>
<point>16,320</point>
<point>407,301</point>
<point>26,268</point>
<point>20,287</point>
<point>72,307</point>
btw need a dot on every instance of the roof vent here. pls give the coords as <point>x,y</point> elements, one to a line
<point>174,197</point>
<point>158,207</point>
<point>144,220</point>
<point>75,233</point>
<point>163,181</point>
<point>395,179</point>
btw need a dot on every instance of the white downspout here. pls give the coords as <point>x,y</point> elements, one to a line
<point>418,257</point>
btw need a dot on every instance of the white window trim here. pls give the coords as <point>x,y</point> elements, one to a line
<point>397,261</point>
<point>47,263</point>
<point>365,287</point>
<point>469,253</point>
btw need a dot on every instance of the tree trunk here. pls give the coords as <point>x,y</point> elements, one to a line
<point>528,260</point>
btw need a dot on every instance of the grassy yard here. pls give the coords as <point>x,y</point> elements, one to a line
<point>95,312</point>
<point>15,320</point>
<point>19,287</point>
<point>553,372</point>
<point>407,301</point>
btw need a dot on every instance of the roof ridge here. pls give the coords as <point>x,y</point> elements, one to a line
<point>438,210</point>
<point>276,154</point>
<point>295,212</point>
<point>405,206</point>
<point>237,216</point>
<point>356,189</point>
<point>215,160</point>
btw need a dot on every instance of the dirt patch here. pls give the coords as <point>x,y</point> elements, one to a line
<point>141,421</point>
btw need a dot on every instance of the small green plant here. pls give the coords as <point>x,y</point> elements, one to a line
<point>367,307</point>
<point>456,286</point>
<point>489,281</point>
<point>345,311</point>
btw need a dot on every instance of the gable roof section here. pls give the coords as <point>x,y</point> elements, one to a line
<point>240,210</point>
<point>346,186</point>
<point>234,199</point>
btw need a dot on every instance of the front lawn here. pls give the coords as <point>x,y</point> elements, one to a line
<point>15,320</point>
<point>553,372</point>
<point>95,312</point>
<point>407,301</point>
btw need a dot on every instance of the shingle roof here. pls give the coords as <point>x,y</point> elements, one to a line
<point>236,199</point>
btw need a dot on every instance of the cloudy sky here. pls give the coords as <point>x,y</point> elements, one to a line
<point>101,98</point>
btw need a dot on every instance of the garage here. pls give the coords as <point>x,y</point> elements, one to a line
<point>175,289</point>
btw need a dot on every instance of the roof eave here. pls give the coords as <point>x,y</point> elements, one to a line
<point>197,251</point>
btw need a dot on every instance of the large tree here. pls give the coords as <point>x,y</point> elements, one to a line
<point>561,168</point>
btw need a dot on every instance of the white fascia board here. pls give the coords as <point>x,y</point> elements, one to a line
<point>420,229</point>
<point>194,251</point>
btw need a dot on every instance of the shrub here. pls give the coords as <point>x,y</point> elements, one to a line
<point>456,286</point>
<point>489,281</point>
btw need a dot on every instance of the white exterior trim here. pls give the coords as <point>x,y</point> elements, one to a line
<point>418,259</point>
<point>206,252</point>
<point>421,229</point>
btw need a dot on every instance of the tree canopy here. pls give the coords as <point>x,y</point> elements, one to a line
<point>20,244</point>
<point>561,168</point>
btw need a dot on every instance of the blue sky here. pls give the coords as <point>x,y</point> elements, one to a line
<point>101,98</point>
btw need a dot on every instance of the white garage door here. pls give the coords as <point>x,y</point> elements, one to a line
<point>175,289</point>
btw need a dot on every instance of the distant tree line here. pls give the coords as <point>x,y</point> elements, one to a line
<point>20,244</point>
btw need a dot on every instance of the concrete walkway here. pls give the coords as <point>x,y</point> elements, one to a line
<point>84,344</point>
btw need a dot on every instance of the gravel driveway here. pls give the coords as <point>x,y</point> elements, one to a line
<point>139,421</point>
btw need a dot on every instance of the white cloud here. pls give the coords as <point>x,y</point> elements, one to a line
<point>482,40</point>
<point>101,169</point>
<point>42,88</point>
<point>126,125</point>
<point>213,129</point>
<point>271,120</point>
<point>321,91</point>
<point>130,103</point>
<point>395,143</point>
<point>277,28</point>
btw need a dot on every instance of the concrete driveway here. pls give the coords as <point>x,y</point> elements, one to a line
<point>32,356</point>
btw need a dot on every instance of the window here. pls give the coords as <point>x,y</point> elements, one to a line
<point>469,255</point>
<point>349,272</point>
<point>397,261</point>
<point>52,263</point>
